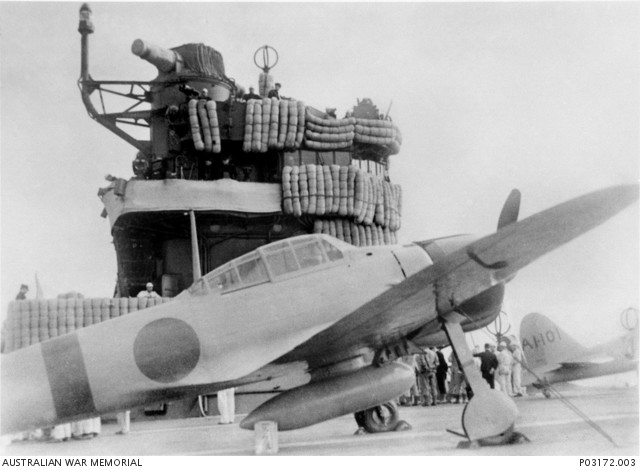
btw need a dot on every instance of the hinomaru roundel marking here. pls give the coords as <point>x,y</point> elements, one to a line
<point>166,350</point>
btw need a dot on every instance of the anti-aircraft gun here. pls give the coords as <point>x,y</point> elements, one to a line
<point>188,71</point>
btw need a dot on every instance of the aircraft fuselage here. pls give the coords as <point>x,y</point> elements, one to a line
<point>204,340</point>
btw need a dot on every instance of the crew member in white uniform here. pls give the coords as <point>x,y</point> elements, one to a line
<point>505,362</point>
<point>516,370</point>
<point>227,405</point>
<point>148,292</point>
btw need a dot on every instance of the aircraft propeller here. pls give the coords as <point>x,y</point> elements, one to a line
<point>510,209</point>
<point>509,214</point>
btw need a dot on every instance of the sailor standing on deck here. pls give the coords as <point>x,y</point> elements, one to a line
<point>251,95</point>
<point>516,370</point>
<point>488,364</point>
<point>275,93</point>
<point>441,376</point>
<point>427,364</point>
<point>22,294</point>
<point>457,379</point>
<point>227,405</point>
<point>505,362</point>
<point>148,292</point>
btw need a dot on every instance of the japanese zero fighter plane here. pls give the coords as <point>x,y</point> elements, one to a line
<point>554,356</point>
<point>347,313</point>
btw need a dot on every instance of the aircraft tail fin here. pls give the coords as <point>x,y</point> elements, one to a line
<point>545,344</point>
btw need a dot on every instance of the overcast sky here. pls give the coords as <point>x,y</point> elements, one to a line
<point>543,97</point>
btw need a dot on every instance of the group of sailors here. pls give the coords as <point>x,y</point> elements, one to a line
<point>252,95</point>
<point>441,380</point>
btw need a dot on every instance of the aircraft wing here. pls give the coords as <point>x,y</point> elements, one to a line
<point>413,306</point>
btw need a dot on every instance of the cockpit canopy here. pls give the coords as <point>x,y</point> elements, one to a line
<point>271,262</point>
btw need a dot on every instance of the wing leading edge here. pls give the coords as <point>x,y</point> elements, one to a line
<point>463,275</point>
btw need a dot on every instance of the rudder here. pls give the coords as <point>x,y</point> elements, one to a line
<point>545,344</point>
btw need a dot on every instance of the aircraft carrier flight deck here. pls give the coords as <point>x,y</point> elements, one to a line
<point>551,427</point>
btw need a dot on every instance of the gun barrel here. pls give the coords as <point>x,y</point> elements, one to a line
<point>165,60</point>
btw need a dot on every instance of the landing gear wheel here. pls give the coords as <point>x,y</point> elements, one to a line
<point>546,393</point>
<point>381,418</point>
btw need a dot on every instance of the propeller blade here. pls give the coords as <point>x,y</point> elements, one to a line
<point>510,210</point>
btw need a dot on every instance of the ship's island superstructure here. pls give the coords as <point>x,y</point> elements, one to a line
<point>249,172</point>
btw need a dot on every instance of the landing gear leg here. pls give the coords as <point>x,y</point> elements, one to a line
<point>489,417</point>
